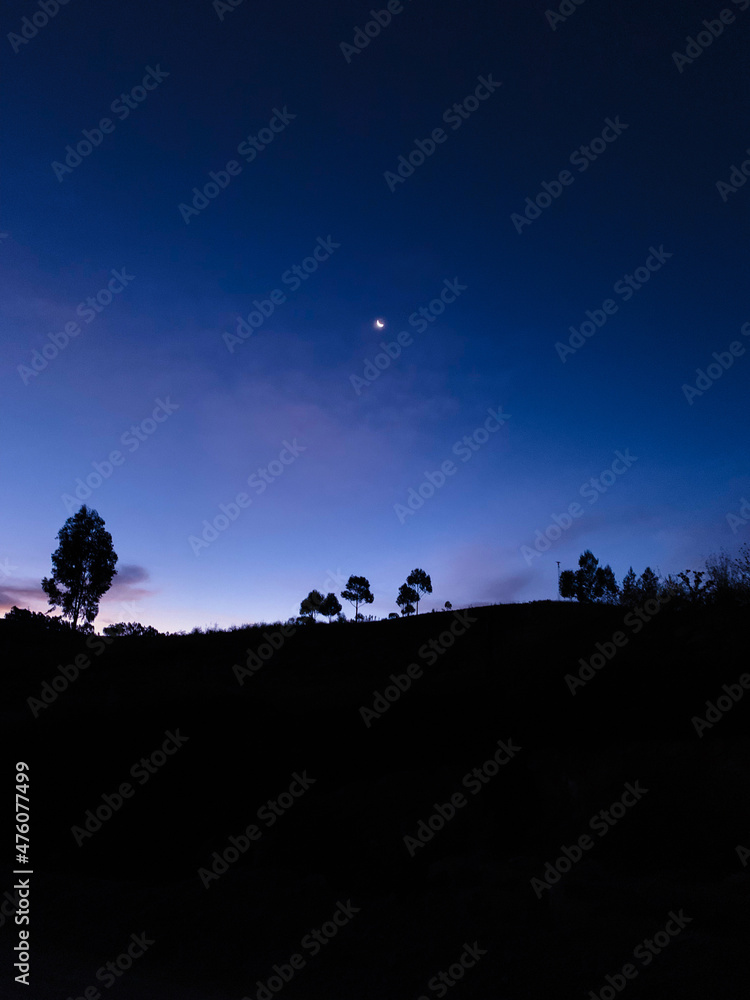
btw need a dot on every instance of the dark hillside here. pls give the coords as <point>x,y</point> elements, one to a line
<point>501,679</point>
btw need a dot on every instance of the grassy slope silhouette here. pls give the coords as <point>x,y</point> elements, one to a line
<point>502,679</point>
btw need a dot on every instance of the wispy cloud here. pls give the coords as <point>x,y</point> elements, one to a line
<point>22,594</point>
<point>126,585</point>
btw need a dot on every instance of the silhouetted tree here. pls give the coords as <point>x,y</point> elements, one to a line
<point>696,590</point>
<point>421,583</point>
<point>741,571</point>
<point>129,628</point>
<point>742,562</point>
<point>590,582</point>
<point>393,614</point>
<point>567,585</point>
<point>605,586</point>
<point>648,585</point>
<point>311,605</point>
<point>36,620</point>
<point>448,606</point>
<point>331,606</point>
<point>84,564</point>
<point>357,592</point>
<point>722,578</point>
<point>630,594</point>
<point>407,596</point>
<point>727,581</point>
<point>586,577</point>
<point>683,592</point>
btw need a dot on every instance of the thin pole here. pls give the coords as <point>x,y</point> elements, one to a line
<point>558,579</point>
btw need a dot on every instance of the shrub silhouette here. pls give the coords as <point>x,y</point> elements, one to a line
<point>133,628</point>
<point>36,620</point>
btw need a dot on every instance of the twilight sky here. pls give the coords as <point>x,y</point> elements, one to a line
<point>589,124</point>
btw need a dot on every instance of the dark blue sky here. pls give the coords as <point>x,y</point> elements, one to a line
<point>343,457</point>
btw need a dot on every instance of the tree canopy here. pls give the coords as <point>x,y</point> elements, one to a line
<point>421,583</point>
<point>407,598</point>
<point>82,567</point>
<point>129,628</point>
<point>331,606</point>
<point>590,582</point>
<point>357,592</point>
<point>311,605</point>
<point>37,620</point>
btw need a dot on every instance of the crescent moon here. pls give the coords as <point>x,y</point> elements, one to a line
<point>379,324</point>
